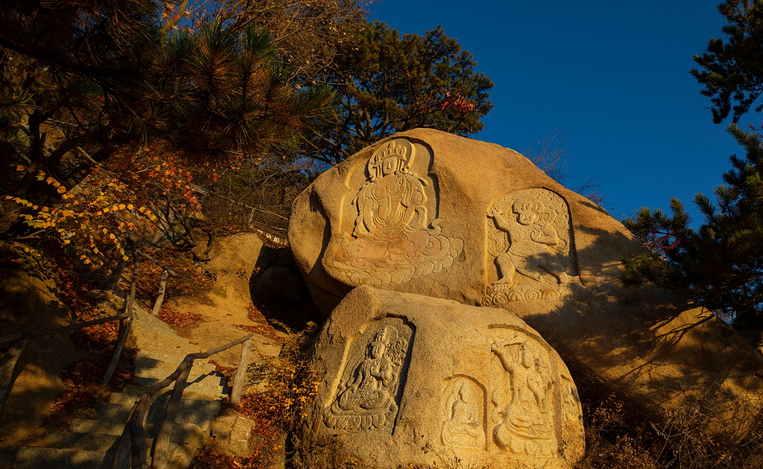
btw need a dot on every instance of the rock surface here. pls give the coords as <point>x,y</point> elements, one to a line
<point>401,372</point>
<point>443,216</point>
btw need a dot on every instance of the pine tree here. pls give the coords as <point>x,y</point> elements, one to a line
<point>387,83</point>
<point>720,264</point>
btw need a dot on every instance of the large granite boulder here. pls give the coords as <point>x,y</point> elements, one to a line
<point>402,372</point>
<point>431,213</point>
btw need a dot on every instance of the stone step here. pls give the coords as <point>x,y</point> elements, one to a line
<point>195,412</point>
<point>213,385</point>
<point>150,344</point>
<point>102,427</point>
<point>108,412</point>
<point>76,440</point>
<point>154,366</point>
<point>194,408</point>
<point>29,457</point>
<point>132,393</point>
<point>190,411</point>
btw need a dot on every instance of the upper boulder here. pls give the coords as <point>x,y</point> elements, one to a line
<point>440,215</point>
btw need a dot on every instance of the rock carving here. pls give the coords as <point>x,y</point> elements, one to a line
<point>367,400</point>
<point>530,246</point>
<point>392,240</point>
<point>526,425</point>
<point>463,422</point>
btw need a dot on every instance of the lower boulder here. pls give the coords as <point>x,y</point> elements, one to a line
<point>407,379</point>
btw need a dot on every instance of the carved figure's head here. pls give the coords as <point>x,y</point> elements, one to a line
<point>527,356</point>
<point>381,341</point>
<point>392,158</point>
<point>527,210</point>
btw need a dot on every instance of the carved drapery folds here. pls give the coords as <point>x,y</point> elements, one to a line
<point>395,235</point>
<point>530,252</point>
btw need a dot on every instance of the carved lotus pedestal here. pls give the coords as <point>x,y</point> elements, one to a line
<point>410,379</point>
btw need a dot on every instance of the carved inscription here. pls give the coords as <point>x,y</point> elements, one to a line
<point>523,417</point>
<point>463,422</point>
<point>394,238</point>
<point>530,248</point>
<point>367,398</point>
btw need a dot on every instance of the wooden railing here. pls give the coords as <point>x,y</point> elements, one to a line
<point>19,340</point>
<point>132,447</point>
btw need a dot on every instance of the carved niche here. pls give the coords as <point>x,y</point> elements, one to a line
<point>373,373</point>
<point>525,396</point>
<point>517,409</point>
<point>389,232</point>
<point>463,414</point>
<point>530,251</point>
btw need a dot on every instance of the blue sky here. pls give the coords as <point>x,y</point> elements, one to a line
<point>613,77</point>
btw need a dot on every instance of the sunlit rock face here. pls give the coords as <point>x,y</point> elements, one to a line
<point>439,215</point>
<point>402,372</point>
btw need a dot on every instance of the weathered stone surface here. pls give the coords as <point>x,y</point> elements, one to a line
<point>439,215</point>
<point>402,371</point>
<point>231,435</point>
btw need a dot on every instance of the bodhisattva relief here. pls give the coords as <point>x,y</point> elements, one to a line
<point>394,238</point>
<point>463,411</point>
<point>368,398</point>
<point>524,414</point>
<point>530,248</point>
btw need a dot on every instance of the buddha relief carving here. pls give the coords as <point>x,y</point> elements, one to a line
<point>524,411</point>
<point>394,236</point>
<point>463,414</point>
<point>367,399</point>
<point>530,252</point>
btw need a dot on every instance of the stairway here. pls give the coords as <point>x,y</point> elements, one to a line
<point>90,443</point>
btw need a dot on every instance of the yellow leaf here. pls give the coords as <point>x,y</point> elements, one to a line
<point>152,217</point>
<point>122,206</point>
<point>129,207</point>
<point>115,208</point>
<point>20,167</point>
<point>105,209</point>
<point>142,209</point>
<point>86,261</point>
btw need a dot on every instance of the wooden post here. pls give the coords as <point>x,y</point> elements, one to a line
<point>124,330</point>
<point>160,298</point>
<point>161,447</point>
<point>137,424</point>
<point>240,376</point>
<point>7,366</point>
<point>124,326</point>
<point>116,275</point>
